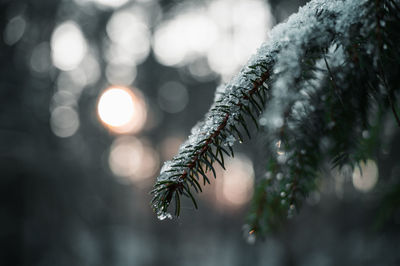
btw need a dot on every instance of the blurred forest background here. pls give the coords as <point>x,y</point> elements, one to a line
<point>96,94</point>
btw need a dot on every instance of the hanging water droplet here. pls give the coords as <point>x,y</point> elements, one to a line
<point>303,151</point>
<point>278,144</point>
<point>251,238</point>
<point>280,152</point>
<point>291,211</point>
<point>281,158</point>
<point>283,194</point>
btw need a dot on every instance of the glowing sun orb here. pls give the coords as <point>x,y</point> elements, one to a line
<point>121,110</point>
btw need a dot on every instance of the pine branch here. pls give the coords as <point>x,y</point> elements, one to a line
<point>317,82</point>
<point>207,145</point>
<point>336,127</point>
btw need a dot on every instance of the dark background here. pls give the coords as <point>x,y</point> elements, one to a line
<point>63,205</point>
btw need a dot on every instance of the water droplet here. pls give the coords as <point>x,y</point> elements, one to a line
<point>277,122</point>
<point>279,176</point>
<point>251,238</point>
<point>268,175</point>
<point>281,158</point>
<point>280,152</point>
<point>303,151</point>
<point>263,121</point>
<point>365,134</point>
<point>278,144</point>
<point>331,125</point>
<point>291,211</point>
<point>283,194</point>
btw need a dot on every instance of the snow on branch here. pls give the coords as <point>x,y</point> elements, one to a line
<point>269,80</point>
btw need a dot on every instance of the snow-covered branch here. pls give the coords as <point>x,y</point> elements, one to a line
<point>294,80</point>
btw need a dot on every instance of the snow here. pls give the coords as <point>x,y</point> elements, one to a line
<point>163,215</point>
<point>315,25</point>
<point>293,39</point>
<point>230,140</point>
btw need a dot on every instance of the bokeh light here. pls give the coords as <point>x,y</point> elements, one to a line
<point>365,176</point>
<point>15,30</point>
<point>133,159</point>
<point>76,80</point>
<point>40,60</point>
<point>64,121</point>
<point>116,107</point>
<point>62,98</point>
<point>68,46</point>
<point>200,70</point>
<point>91,68</point>
<point>170,145</point>
<point>186,36</point>
<point>71,81</point>
<point>120,74</point>
<point>104,3</point>
<point>122,110</point>
<point>226,33</point>
<point>130,39</point>
<point>234,188</point>
<point>172,97</point>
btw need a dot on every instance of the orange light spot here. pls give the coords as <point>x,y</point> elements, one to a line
<point>122,110</point>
